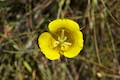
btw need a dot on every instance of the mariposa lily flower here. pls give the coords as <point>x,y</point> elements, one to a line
<point>64,38</point>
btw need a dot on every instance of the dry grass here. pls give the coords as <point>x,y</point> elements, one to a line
<point>21,21</point>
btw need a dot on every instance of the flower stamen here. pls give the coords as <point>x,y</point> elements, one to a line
<point>62,42</point>
<point>56,43</point>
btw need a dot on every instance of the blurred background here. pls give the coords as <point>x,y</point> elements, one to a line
<point>22,21</point>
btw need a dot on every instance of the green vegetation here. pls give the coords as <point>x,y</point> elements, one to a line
<point>21,22</point>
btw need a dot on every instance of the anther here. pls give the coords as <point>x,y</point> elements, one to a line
<point>56,43</point>
<point>67,43</point>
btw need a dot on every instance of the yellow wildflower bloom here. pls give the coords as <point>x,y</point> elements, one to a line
<point>64,38</point>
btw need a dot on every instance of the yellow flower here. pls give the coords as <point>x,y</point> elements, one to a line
<point>64,38</point>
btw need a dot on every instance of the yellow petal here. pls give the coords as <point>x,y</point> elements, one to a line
<point>77,45</point>
<point>45,42</point>
<point>63,23</point>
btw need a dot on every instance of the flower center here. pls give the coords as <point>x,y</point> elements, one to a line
<point>62,42</point>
